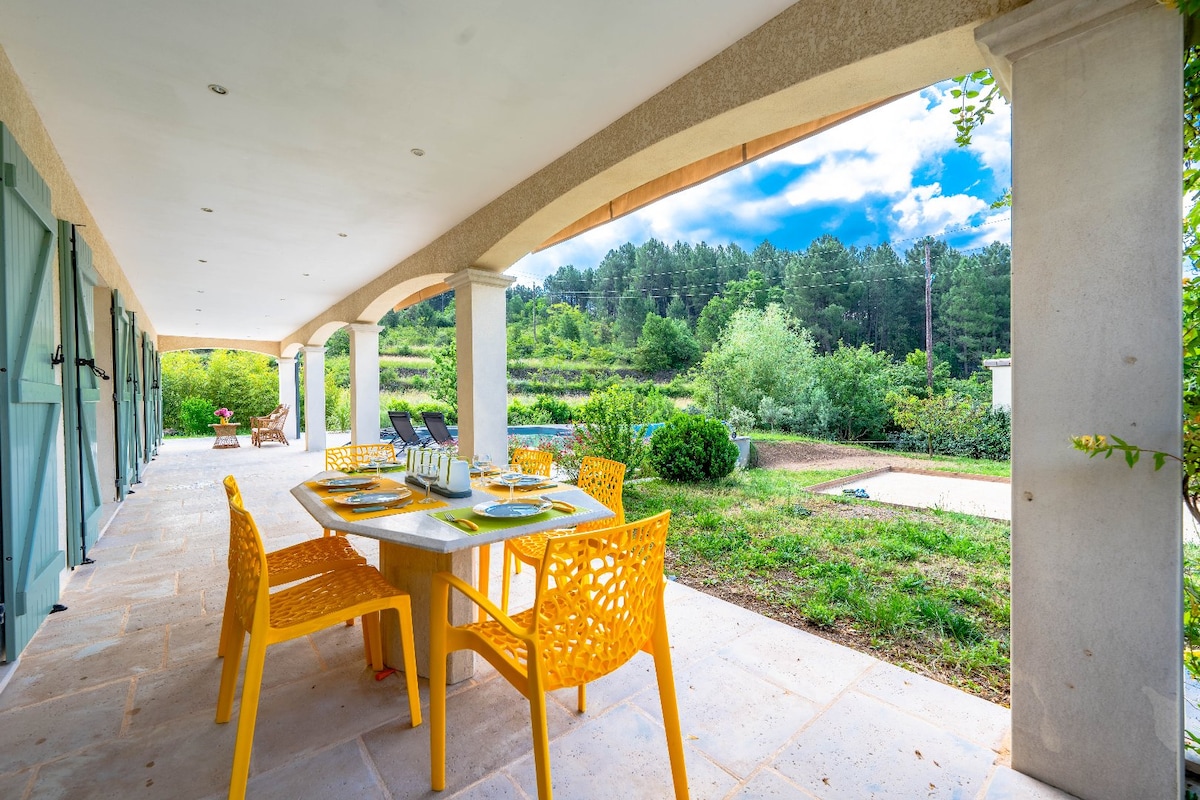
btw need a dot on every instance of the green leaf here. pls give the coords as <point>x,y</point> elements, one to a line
<point>1159,460</point>
<point>1131,457</point>
<point>1119,440</point>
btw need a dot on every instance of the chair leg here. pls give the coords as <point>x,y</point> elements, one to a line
<point>366,634</point>
<point>233,641</point>
<point>670,705</point>
<point>506,578</point>
<point>247,716</point>
<point>226,619</point>
<point>541,735</point>
<point>437,688</point>
<point>581,700</point>
<point>404,611</point>
<point>374,639</point>
<point>485,574</point>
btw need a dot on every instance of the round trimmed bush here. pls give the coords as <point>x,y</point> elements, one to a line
<point>692,448</point>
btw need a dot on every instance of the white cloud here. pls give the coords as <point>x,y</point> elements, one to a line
<point>886,164</point>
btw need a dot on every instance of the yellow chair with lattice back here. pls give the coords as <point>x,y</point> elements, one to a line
<point>599,601</point>
<point>289,613</point>
<point>602,479</point>
<point>533,462</point>
<point>290,564</point>
<point>355,457</point>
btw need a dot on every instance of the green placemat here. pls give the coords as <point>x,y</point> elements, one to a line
<point>487,524</point>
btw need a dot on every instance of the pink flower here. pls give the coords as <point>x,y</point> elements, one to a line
<point>224,413</point>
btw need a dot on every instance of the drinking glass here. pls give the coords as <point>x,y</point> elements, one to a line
<point>510,478</point>
<point>427,475</point>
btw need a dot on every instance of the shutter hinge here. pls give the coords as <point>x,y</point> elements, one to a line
<point>58,357</point>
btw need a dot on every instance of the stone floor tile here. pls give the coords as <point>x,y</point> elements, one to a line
<point>185,761</point>
<point>339,646</point>
<point>698,625</point>
<point>64,672</point>
<point>499,786</point>
<point>487,727</point>
<point>621,754</point>
<point>120,594</point>
<point>175,693</point>
<point>210,580</point>
<point>168,548</point>
<point>735,717</point>
<point>156,613</point>
<point>617,687</point>
<point>74,628</point>
<point>121,535</point>
<point>808,665</point>
<point>340,771</point>
<point>135,571</point>
<point>193,639</point>
<point>32,734</point>
<point>1010,785</point>
<point>770,785</point>
<point>14,784</point>
<point>971,717</point>
<point>861,748</point>
<point>302,717</point>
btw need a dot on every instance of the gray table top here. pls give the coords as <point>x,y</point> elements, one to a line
<point>418,529</point>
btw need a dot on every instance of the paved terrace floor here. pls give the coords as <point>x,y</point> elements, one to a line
<point>114,698</point>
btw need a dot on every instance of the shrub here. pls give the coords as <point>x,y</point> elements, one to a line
<point>692,448</point>
<point>611,426</point>
<point>196,414</point>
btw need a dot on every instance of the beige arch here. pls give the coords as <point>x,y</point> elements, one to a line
<point>811,61</point>
<point>167,344</point>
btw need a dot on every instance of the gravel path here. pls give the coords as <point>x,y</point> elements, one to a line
<point>818,455</point>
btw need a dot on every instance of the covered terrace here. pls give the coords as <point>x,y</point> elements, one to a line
<point>228,175</point>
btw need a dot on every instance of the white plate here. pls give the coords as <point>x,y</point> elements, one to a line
<point>526,480</point>
<point>346,483</point>
<point>514,510</point>
<point>385,497</point>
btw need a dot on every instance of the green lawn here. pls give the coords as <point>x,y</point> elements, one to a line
<point>928,590</point>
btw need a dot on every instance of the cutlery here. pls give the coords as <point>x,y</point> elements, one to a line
<point>536,487</point>
<point>367,509</point>
<point>466,523</point>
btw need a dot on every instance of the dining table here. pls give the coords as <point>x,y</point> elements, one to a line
<point>416,540</point>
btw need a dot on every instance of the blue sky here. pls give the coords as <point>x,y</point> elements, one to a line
<point>894,174</point>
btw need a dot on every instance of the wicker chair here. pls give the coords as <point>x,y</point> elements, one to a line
<point>270,427</point>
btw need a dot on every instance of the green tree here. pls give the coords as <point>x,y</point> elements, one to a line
<point>443,376</point>
<point>611,425</point>
<point>855,380</point>
<point>933,417</point>
<point>665,344</point>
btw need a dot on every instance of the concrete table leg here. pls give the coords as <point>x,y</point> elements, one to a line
<point>410,569</point>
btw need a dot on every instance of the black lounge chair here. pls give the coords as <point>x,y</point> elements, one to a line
<point>406,436</point>
<point>435,423</point>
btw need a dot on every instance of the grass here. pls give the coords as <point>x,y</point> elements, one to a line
<point>928,590</point>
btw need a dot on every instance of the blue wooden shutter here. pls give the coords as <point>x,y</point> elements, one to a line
<point>123,416</point>
<point>30,399</point>
<point>81,390</point>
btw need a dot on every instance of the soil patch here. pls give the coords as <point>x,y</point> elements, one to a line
<point>820,455</point>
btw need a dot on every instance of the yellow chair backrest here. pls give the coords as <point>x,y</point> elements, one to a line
<point>602,479</point>
<point>533,462</point>
<point>233,492</point>
<point>247,563</point>
<point>598,599</point>
<point>354,457</point>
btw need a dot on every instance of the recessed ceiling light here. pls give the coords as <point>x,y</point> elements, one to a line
<point>197,309</point>
<point>217,88</point>
<point>418,152</point>
<point>199,291</point>
<point>202,260</point>
<point>206,210</point>
<point>305,274</point>
<point>343,235</point>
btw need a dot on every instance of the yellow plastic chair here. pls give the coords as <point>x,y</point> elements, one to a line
<point>354,457</point>
<point>602,479</point>
<point>289,613</point>
<point>533,462</point>
<point>599,601</point>
<point>291,564</point>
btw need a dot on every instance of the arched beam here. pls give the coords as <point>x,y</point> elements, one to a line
<point>168,343</point>
<point>404,294</point>
<point>811,61</point>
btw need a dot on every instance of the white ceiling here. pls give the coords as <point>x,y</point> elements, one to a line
<point>326,101</point>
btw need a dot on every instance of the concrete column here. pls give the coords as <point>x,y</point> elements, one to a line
<point>364,382</point>
<point>1096,555</point>
<point>482,341</point>
<point>314,397</point>
<point>287,396</point>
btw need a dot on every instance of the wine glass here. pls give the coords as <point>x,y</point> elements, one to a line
<point>510,478</point>
<point>376,463</point>
<point>427,475</point>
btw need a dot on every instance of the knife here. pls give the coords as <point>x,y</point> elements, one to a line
<point>366,509</point>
